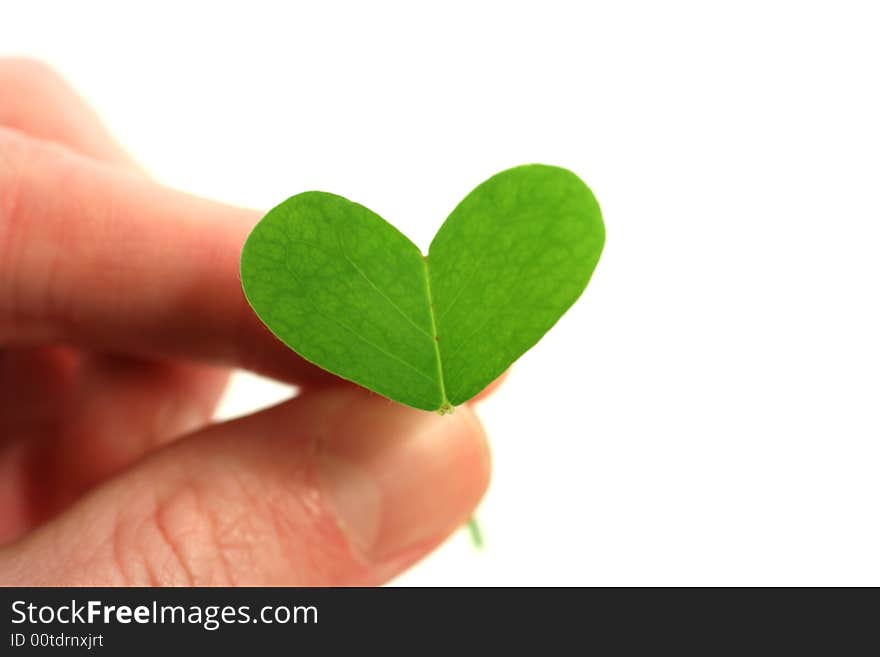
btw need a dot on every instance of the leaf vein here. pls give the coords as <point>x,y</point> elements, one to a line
<point>378,290</point>
<point>362,338</point>
<point>463,287</point>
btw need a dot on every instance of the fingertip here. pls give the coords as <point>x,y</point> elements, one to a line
<point>491,388</point>
<point>398,479</point>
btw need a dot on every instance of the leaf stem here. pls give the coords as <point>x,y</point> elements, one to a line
<point>475,532</point>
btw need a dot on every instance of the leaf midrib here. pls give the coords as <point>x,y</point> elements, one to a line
<point>444,403</point>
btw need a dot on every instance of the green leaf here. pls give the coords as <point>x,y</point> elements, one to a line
<point>350,293</point>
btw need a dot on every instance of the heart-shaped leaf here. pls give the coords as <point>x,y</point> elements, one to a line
<point>350,293</point>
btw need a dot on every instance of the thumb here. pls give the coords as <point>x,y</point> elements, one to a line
<point>336,487</point>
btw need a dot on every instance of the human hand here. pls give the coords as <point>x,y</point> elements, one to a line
<point>121,312</point>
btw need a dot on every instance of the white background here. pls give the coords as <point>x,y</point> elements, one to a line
<point>707,413</point>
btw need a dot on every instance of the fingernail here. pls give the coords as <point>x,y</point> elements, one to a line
<point>398,478</point>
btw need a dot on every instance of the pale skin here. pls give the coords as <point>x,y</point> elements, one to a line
<point>121,316</point>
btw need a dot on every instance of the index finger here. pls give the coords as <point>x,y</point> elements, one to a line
<point>101,258</point>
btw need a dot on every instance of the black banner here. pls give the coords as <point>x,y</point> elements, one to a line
<point>562,621</point>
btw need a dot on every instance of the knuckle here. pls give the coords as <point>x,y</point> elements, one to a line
<point>11,157</point>
<point>20,158</point>
<point>31,173</point>
<point>17,158</point>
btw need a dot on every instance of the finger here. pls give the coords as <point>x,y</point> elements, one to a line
<point>337,487</point>
<point>34,385</point>
<point>155,400</point>
<point>37,101</point>
<point>100,258</point>
<point>123,408</point>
